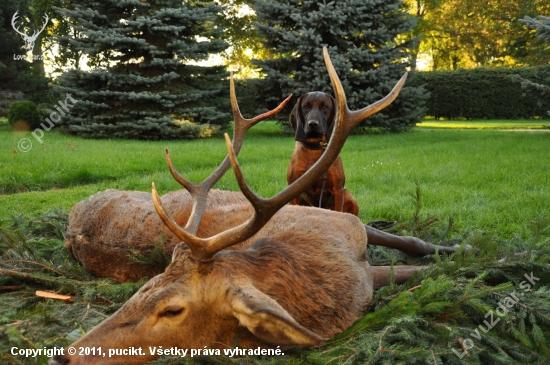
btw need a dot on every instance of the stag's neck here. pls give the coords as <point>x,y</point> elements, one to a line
<point>293,269</point>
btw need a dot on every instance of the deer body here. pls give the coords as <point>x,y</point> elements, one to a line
<point>299,272</point>
<point>103,228</point>
<point>276,276</point>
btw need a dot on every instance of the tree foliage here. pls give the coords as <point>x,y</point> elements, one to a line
<point>245,41</point>
<point>468,33</point>
<point>361,37</point>
<point>144,79</point>
<point>17,75</point>
<point>538,86</point>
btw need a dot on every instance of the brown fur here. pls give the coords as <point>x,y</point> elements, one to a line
<point>312,120</point>
<point>335,197</point>
<point>103,228</point>
<point>303,277</point>
<point>307,280</point>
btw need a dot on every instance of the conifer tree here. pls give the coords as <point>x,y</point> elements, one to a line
<point>144,79</point>
<point>362,38</point>
<point>538,88</point>
<point>19,77</point>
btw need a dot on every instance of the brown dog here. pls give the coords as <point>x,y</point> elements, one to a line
<point>312,120</point>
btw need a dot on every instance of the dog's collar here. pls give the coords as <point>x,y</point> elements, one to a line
<point>315,146</point>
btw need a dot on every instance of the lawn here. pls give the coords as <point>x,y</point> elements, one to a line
<point>493,187</point>
<point>541,124</point>
<point>490,180</point>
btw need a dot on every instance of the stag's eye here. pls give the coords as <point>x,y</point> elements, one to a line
<point>171,312</point>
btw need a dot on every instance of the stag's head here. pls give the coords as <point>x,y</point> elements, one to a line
<point>207,296</point>
<point>29,39</point>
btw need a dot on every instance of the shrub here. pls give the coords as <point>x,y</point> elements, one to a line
<point>7,97</point>
<point>24,112</point>
<point>481,93</point>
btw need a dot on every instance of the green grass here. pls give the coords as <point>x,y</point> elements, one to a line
<point>494,185</point>
<point>489,180</point>
<point>419,322</point>
<point>487,124</point>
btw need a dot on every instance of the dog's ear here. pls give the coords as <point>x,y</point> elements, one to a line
<point>330,119</point>
<point>297,121</point>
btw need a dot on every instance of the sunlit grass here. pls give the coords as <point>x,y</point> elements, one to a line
<point>489,180</point>
<point>495,185</point>
<point>486,124</point>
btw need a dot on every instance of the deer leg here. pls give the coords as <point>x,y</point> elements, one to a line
<point>412,246</point>
<point>400,274</point>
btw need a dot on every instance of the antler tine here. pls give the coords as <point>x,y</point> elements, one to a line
<point>199,191</point>
<point>242,125</point>
<point>354,117</point>
<point>192,241</point>
<point>264,209</point>
<point>175,174</point>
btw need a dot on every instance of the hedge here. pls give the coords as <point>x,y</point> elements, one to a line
<point>482,93</point>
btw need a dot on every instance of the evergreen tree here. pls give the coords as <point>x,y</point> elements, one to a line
<point>539,88</point>
<point>19,78</point>
<point>144,81</point>
<point>362,38</point>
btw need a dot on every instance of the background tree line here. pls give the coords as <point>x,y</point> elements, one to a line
<point>140,64</point>
<point>467,33</point>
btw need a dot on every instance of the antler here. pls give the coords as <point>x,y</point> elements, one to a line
<point>200,191</point>
<point>203,249</point>
<point>13,20</point>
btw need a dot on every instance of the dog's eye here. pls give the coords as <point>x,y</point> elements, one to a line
<point>306,107</point>
<point>325,107</point>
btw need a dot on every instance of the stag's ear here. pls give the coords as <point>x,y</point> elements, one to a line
<point>268,321</point>
<point>297,121</point>
<point>330,120</point>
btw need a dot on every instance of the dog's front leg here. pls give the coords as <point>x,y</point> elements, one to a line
<point>295,201</point>
<point>339,200</point>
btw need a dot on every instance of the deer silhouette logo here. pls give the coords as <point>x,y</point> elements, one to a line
<point>29,40</point>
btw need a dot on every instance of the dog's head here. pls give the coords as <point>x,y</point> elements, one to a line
<point>312,118</point>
